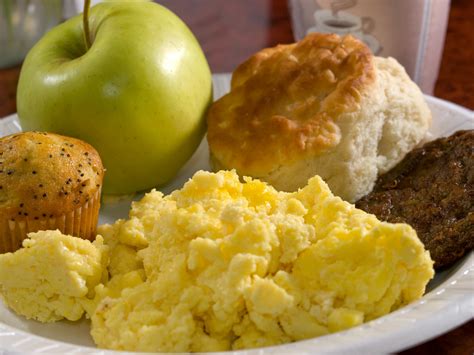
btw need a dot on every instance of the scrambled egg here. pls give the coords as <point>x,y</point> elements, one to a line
<point>223,265</point>
<point>51,275</point>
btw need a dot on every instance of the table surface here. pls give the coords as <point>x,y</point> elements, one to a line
<point>231,31</point>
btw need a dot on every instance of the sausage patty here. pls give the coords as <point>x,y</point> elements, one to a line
<point>432,189</point>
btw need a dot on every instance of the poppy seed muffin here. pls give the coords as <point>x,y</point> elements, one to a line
<point>322,106</point>
<point>47,181</point>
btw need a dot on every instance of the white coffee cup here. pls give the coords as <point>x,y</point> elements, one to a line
<point>411,31</point>
<point>344,23</point>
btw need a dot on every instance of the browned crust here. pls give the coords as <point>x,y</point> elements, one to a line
<point>46,175</point>
<point>285,102</point>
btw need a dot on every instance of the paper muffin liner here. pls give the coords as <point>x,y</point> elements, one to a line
<point>81,222</point>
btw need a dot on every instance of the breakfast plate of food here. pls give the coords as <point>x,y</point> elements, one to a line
<point>314,200</point>
<point>446,304</point>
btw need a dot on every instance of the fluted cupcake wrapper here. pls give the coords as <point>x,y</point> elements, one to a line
<point>81,222</point>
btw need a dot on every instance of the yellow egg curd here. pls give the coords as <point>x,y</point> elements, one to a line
<point>50,277</point>
<point>222,264</point>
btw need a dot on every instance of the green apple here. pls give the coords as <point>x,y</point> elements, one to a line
<point>139,94</point>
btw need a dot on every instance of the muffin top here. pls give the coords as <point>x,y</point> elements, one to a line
<point>46,175</point>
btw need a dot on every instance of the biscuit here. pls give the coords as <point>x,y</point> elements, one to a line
<point>323,106</point>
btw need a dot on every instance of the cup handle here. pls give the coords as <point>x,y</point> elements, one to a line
<point>368,24</point>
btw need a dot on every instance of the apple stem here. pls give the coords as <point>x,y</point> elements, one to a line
<point>85,23</point>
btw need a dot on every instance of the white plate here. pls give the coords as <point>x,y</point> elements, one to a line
<point>448,303</point>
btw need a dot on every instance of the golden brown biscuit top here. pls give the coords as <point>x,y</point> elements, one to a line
<point>285,101</point>
<point>46,175</point>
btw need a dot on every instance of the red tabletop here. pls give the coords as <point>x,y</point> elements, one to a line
<point>230,31</point>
